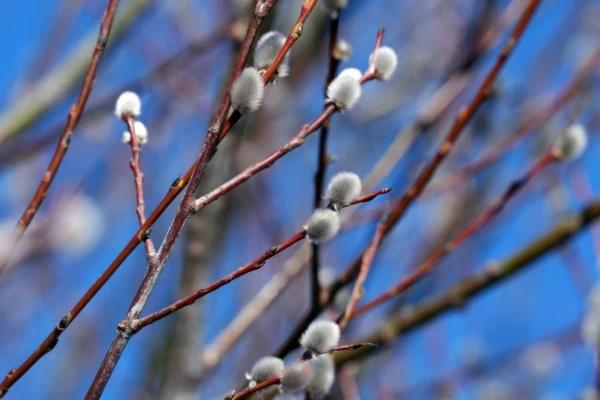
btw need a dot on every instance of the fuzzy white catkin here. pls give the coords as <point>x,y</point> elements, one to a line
<point>322,225</point>
<point>572,142</point>
<point>265,368</point>
<point>321,336</point>
<point>385,62</point>
<point>345,90</point>
<point>247,91</point>
<point>267,49</point>
<point>141,134</point>
<point>324,377</point>
<point>128,103</point>
<point>296,377</point>
<point>344,188</point>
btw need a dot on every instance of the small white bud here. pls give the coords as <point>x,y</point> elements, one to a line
<point>333,6</point>
<point>590,330</point>
<point>344,91</point>
<point>343,189</point>
<point>321,383</point>
<point>322,225</point>
<point>385,61</point>
<point>542,359</point>
<point>342,50</point>
<point>267,48</point>
<point>247,91</point>
<point>321,336</point>
<point>141,134</point>
<point>128,103</point>
<point>265,368</point>
<point>572,142</point>
<point>296,376</point>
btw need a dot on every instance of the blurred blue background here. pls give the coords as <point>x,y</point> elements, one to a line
<point>89,214</point>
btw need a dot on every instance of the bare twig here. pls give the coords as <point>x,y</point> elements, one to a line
<point>459,294</point>
<point>257,263</point>
<point>479,222</point>
<point>402,204</point>
<point>367,261</point>
<point>138,178</point>
<point>322,156</point>
<point>540,116</point>
<point>65,138</point>
<point>63,144</point>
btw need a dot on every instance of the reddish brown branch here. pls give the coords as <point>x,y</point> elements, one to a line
<point>65,138</point>
<point>402,204</point>
<point>425,268</point>
<point>138,178</point>
<point>40,194</point>
<point>274,380</point>
<point>257,263</point>
<point>540,116</point>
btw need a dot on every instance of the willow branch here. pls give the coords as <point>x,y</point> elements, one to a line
<point>359,286</point>
<point>402,204</point>
<point>183,212</point>
<point>322,156</point>
<point>462,292</point>
<point>538,117</point>
<point>478,223</point>
<point>65,138</point>
<point>138,178</point>
<point>63,144</point>
<point>254,265</point>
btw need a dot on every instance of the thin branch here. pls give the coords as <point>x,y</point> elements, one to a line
<point>479,222</point>
<point>494,273</point>
<point>540,116</point>
<point>322,156</point>
<point>359,286</point>
<point>254,265</point>
<point>73,118</point>
<point>138,178</point>
<point>65,138</point>
<point>402,204</point>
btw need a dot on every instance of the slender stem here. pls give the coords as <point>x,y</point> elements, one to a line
<point>274,380</point>
<point>538,117</point>
<point>359,286</point>
<point>64,141</point>
<point>430,263</point>
<point>322,156</point>
<point>138,178</point>
<point>40,194</point>
<point>459,294</point>
<point>254,265</point>
<point>402,204</point>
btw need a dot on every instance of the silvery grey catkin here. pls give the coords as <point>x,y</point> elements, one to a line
<point>385,61</point>
<point>266,50</point>
<point>324,377</point>
<point>322,225</point>
<point>343,189</point>
<point>265,368</point>
<point>321,336</point>
<point>247,91</point>
<point>344,91</point>
<point>128,103</point>
<point>572,142</point>
<point>334,6</point>
<point>296,376</point>
<point>141,134</point>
